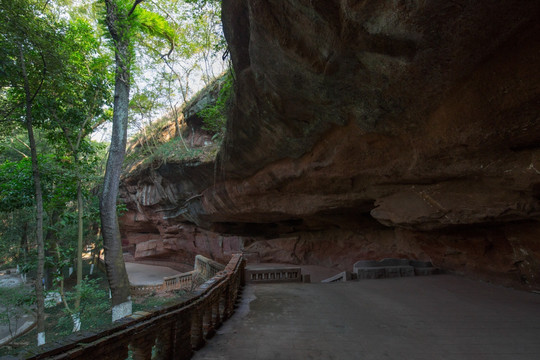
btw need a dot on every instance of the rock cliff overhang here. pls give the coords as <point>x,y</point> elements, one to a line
<point>358,118</point>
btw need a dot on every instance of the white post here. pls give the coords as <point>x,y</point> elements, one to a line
<point>41,338</point>
<point>70,271</point>
<point>76,321</point>
<point>122,310</point>
<point>91,269</point>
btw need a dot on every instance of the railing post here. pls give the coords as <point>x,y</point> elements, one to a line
<point>197,333</point>
<point>164,342</point>
<point>119,352</point>
<point>142,347</point>
<point>216,316</point>
<point>223,304</point>
<point>182,348</point>
<point>208,320</point>
<point>227,301</point>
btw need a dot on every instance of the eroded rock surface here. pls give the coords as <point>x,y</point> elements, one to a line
<point>362,130</point>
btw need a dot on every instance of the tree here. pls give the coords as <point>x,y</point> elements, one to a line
<point>78,108</point>
<point>28,60</point>
<point>125,21</point>
<point>50,79</point>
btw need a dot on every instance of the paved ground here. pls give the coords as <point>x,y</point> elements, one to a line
<point>141,274</point>
<point>435,317</point>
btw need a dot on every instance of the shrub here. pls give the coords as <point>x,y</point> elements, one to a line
<point>215,116</point>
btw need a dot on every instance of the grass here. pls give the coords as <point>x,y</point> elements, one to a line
<point>173,150</point>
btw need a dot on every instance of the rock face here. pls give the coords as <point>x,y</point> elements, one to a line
<point>367,129</point>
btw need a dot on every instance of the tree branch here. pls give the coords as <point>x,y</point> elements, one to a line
<point>17,150</point>
<point>22,142</point>
<point>45,5</point>
<point>137,2</point>
<point>42,78</point>
<point>5,117</point>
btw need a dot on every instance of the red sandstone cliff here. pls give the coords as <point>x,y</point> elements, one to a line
<point>365,129</point>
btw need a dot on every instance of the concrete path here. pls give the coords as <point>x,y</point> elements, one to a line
<point>434,317</point>
<point>141,274</point>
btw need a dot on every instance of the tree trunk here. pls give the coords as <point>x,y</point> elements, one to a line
<point>40,299</point>
<point>79,244</point>
<point>112,242</point>
<point>51,239</point>
<point>24,243</point>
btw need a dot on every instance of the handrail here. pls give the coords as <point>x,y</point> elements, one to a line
<point>169,333</point>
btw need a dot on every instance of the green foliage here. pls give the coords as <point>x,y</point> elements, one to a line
<point>215,116</point>
<point>31,34</point>
<point>173,150</point>
<point>16,183</point>
<point>16,186</point>
<point>59,180</point>
<point>15,302</point>
<point>15,235</point>
<point>153,24</point>
<point>151,303</point>
<point>17,296</point>
<point>94,305</point>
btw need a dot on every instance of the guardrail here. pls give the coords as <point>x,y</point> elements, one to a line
<point>170,283</point>
<point>204,267</point>
<point>207,267</point>
<point>180,281</point>
<point>170,333</point>
<point>287,274</point>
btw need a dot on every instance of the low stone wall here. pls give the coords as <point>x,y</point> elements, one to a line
<point>181,281</point>
<point>207,267</point>
<point>170,333</point>
<point>391,268</point>
<point>204,267</point>
<point>288,274</point>
<point>170,283</point>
